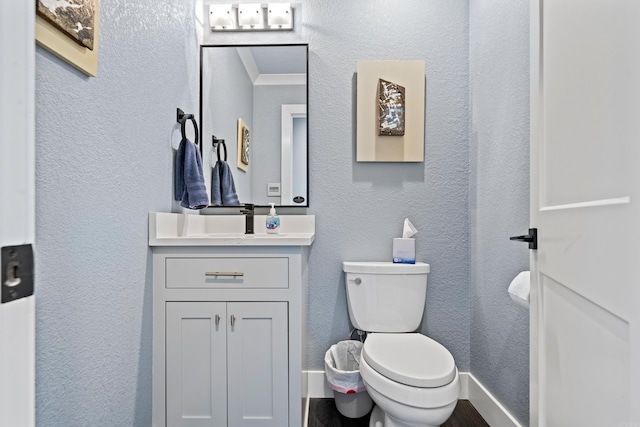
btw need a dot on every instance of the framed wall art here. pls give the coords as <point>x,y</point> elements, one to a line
<point>390,111</point>
<point>69,30</point>
<point>244,145</point>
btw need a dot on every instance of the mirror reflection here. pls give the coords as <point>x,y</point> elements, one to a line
<point>253,108</point>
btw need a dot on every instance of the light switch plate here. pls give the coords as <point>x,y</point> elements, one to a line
<point>273,189</point>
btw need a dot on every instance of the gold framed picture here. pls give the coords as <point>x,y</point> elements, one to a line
<point>69,30</point>
<point>244,145</point>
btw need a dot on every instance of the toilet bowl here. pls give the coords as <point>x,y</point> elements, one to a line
<point>412,378</point>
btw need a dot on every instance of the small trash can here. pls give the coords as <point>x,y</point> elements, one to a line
<point>342,368</point>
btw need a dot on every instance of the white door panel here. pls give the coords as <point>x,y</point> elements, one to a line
<point>578,337</point>
<point>585,94</point>
<point>584,239</point>
<point>585,189</point>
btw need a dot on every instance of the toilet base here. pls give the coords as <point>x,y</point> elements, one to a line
<point>380,419</point>
<point>377,417</point>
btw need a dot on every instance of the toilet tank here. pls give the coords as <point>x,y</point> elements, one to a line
<point>386,297</point>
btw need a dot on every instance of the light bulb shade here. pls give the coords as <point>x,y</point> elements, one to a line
<point>250,15</point>
<point>279,16</point>
<point>221,16</point>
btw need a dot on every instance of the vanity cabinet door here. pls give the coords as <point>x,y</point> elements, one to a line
<point>196,368</point>
<point>257,351</point>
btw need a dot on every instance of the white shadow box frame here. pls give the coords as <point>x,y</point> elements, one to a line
<point>371,147</point>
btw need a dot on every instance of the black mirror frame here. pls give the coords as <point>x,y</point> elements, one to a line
<point>202,47</point>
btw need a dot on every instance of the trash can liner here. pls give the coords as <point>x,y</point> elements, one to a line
<point>342,367</point>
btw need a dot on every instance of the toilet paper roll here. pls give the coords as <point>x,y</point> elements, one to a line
<point>519,289</point>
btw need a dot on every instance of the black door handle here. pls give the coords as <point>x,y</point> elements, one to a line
<point>531,238</point>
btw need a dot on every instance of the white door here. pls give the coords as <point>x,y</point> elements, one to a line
<point>585,203</point>
<point>293,153</point>
<point>17,206</point>
<point>258,373</point>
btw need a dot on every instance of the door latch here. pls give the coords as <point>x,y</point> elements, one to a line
<point>17,272</point>
<point>531,238</point>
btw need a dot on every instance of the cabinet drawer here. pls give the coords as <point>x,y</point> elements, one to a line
<point>225,273</point>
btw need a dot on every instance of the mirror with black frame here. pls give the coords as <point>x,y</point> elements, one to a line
<point>253,119</point>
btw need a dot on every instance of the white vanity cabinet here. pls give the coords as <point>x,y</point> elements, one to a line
<point>228,336</point>
<point>227,364</point>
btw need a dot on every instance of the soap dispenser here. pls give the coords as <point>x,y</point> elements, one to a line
<point>273,221</point>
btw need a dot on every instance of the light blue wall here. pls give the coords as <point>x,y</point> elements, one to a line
<point>499,196</point>
<point>226,79</point>
<point>360,207</point>
<point>103,161</point>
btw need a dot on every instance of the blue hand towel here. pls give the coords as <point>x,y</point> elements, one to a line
<point>216,194</point>
<point>189,179</point>
<point>227,186</point>
<point>223,189</point>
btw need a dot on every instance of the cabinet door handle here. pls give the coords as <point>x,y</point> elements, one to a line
<point>217,319</point>
<point>233,320</point>
<point>224,273</point>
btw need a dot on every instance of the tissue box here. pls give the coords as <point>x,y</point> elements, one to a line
<point>404,251</point>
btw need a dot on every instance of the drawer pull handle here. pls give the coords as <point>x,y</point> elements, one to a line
<point>217,319</point>
<point>233,320</point>
<point>224,273</point>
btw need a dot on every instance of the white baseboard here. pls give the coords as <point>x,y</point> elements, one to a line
<point>464,385</point>
<point>488,406</point>
<point>305,411</point>
<point>318,385</point>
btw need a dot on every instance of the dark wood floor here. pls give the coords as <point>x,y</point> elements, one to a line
<point>323,413</point>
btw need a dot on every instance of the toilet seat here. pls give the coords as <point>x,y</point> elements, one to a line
<point>416,397</point>
<point>409,358</point>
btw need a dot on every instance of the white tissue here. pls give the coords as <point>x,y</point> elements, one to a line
<point>519,289</point>
<point>408,229</point>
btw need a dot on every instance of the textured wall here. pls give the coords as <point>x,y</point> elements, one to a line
<point>103,161</point>
<point>499,196</point>
<point>360,207</point>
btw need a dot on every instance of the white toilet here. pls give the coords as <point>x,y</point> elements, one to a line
<point>412,379</point>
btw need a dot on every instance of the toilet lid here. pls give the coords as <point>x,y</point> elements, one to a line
<point>411,359</point>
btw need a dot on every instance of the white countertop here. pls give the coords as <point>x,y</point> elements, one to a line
<point>173,229</point>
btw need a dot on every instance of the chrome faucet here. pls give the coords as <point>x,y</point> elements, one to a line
<point>248,212</point>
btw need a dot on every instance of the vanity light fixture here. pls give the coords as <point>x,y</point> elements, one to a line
<point>250,17</point>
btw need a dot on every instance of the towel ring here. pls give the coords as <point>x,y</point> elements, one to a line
<point>182,119</point>
<point>220,142</point>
